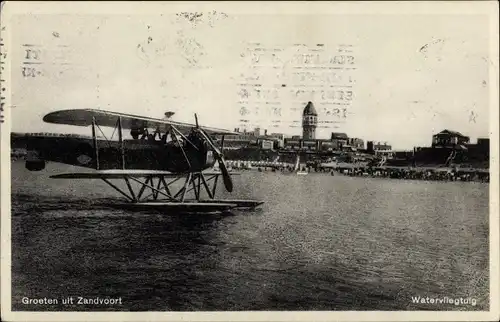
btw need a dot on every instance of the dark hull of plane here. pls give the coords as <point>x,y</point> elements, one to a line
<point>138,154</point>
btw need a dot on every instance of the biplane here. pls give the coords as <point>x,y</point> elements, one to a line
<point>159,153</point>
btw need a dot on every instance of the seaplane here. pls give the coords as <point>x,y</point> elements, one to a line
<point>159,153</point>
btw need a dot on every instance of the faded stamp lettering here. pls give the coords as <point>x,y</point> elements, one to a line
<point>280,79</point>
<point>37,59</point>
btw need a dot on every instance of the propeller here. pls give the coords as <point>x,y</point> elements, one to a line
<point>226,177</point>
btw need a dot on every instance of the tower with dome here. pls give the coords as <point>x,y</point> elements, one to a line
<point>309,122</point>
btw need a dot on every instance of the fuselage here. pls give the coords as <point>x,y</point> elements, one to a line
<point>138,154</point>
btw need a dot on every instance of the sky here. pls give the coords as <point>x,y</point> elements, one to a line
<point>412,75</point>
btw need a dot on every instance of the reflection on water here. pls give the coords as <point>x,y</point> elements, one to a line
<point>318,243</point>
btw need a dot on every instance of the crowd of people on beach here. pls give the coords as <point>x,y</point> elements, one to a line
<point>407,174</point>
<point>410,173</point>
<point>414,174</point>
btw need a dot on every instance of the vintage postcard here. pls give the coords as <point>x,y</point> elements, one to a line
<point>249,161</point>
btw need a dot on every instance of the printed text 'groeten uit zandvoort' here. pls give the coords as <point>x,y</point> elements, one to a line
<point>78,300</point>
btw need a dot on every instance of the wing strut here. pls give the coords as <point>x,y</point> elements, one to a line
<point>182,149</point>
<point>96,148</point>
<point>120,138</point>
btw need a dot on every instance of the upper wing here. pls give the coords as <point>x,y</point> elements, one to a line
<point>83,117</point>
